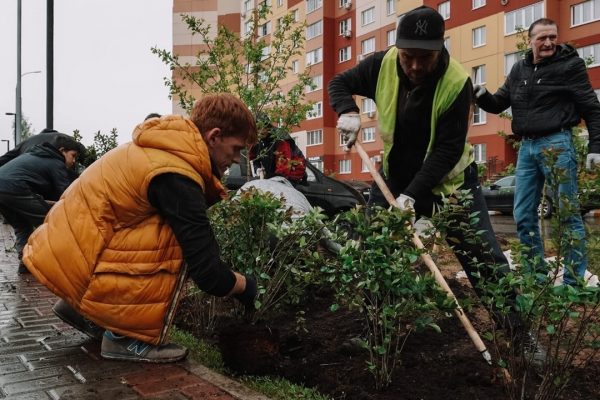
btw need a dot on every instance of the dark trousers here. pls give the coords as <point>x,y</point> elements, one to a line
<point>24,213</point>
<point>485,250</point>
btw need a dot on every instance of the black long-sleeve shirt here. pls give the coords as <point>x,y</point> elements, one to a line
<point>409,172</point>
<point>183,205</point>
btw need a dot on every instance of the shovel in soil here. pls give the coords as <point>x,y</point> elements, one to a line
<point>428,260</point>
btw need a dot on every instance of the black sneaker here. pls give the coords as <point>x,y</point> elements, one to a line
<point>64,311</point>
<point>116,347</point>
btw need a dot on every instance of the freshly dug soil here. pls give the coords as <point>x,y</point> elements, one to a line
<point>433,365</point>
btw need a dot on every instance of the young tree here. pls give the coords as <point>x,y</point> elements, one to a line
<point>247,65</point>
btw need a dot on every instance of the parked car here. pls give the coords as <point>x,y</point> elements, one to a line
<point>499,196</point>
<point>363,187</point>
<point>332,195</point>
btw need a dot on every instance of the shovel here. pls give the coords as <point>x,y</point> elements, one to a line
<point>427,259</point>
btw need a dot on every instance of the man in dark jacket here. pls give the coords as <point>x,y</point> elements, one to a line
<point>549,92</point>
<point>30,183</point>
<point>45,136</point>
<point>423,101</point>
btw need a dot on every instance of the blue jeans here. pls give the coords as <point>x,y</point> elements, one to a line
<point>532,171</point>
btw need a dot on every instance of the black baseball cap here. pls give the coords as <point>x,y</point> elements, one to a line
<point>421,28</point>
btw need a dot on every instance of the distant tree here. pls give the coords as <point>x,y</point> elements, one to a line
<point>26,128</point>
<point>248,66</point>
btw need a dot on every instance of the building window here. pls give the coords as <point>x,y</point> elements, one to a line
<point>247,5</point>
<point>295,66</point>
<point>367,46</point>
<point>314,30</point>
<point>391,37</point>
<point>312,5</point>
<point>447,43</point>
<point>510,60</point>
<point>368,106</point>
<point>478,36</point>
<point>264,29</point>
<point>444,9</point>
<point>478,75</point>
<point>522,18</point>
<point>344,3</point>
<point>590,54</point>
<point>317,162</point>
<point>296,15</point>
<point>345,54</point>
<point>315,56</point>
<point>345,27</point>
<point>478,4</point>
<point>368,135</point>
<point>266,52</point>
<point>345,166</point>
<point>279,3</point>
<point>390,7</point>
<point>478,116</point>
<point>316,112</point>
<point>247,27</point>
<point>367,16</point>
<point>316,84</point>
<point>343,141</point>
<point>314,137</point>
<point>479,153</point>
<point>585,12</point>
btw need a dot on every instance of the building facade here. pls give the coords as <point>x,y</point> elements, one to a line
<point>483,35</point>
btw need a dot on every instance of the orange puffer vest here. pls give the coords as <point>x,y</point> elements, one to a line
<point>105,249</point>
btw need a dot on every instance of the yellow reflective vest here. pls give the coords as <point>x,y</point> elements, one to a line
<point>446,92</point>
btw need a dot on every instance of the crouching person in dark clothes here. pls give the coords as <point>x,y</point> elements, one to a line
<point>32,182</point>
<point>119,245</point>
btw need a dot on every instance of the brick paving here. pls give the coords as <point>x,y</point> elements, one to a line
<point>41,357</point>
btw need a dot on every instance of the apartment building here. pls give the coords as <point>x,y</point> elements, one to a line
<point>481,34</point>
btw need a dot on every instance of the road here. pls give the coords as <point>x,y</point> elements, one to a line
<point>505,224</point>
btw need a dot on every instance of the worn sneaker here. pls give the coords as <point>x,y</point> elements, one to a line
<point>116,347</point>
<point>533,351</point>
<point>64,311</point>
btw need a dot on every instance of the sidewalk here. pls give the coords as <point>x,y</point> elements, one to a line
<point>43,358</point>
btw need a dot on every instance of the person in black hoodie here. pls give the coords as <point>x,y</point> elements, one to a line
<point>549,92</point>
<point>424,100</point>
<point>45,136</point>
<point>32,182</point>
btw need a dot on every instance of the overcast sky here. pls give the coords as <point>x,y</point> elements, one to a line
<point>104,73</point>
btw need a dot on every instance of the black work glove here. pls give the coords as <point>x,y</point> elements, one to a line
<point>249,294</point>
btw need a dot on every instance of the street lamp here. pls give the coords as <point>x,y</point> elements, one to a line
<point>15,115</point>
<point>19,115</point>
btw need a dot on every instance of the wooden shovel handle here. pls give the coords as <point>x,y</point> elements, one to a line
<point>439,278</point>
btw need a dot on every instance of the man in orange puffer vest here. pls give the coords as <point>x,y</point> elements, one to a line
<point>120,243</point>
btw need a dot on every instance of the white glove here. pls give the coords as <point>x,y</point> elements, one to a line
<point>478,91</point>
<point>348,126</point>
<point>407,203</point>
<point>593,159</point>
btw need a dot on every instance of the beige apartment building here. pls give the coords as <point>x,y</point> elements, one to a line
<point>481,34</point>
